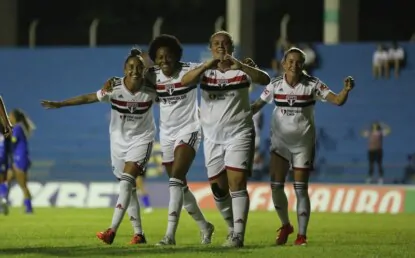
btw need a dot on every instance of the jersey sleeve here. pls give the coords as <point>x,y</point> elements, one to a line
<point>322,90</point>
<point>268,94</point>
<point>103,96</point>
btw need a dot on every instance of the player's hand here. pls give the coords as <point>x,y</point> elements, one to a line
<point>108,86</point>
<point>212,63</point>
<point>7,132</point>
<point>349,83</point>
<point>50,104</point>
<point>248,61</point>
<point>235,63</point>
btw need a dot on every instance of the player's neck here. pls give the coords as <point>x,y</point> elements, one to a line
<point>224,66</point>
<point>292,80</point>
<point>134,87</point>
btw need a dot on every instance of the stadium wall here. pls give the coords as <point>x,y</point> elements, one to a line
<point>335,198</point>
<point>71,144</point>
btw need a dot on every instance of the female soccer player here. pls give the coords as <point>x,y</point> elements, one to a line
<point>22,130</point>
<point>180,132</point>
<point>293,135</point>
<point>228,129</point>
<point>132,130</point>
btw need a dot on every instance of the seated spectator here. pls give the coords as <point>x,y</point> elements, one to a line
<point>396,56</point>
<point>380,63</point>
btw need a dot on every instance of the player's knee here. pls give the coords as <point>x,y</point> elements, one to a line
<point>127,181</point>
<point>134,169</point>
<point>217,191</point>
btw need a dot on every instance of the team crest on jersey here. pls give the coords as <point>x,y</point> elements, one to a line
<point>222,82</point>
<point>170,88</point>
<point>291,99</point>
<point>132,106</point>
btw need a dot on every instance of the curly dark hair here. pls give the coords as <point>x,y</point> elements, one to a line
<point>168,41</point>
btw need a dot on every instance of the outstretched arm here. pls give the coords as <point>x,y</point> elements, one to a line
<point>75,101</point>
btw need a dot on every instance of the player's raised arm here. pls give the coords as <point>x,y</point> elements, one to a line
<point>337,99</point>
<point>5,119</point>
<point>193,76</point>
<point>257,75</point>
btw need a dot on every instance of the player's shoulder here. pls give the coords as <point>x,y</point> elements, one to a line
<point>309,80</point>
<point>276,80</point>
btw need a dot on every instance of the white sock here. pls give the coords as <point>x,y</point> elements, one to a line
<point>191,206</point>
<point>134,213</point>
<point>127,183</point>
<point>175,206</point>
<point>240,206</point>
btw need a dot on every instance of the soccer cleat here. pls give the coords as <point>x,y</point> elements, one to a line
<point>228,238</point>
<point>166,241</point>
<point>138,239</point>
<point>301,240</point>
<point>107,236</point>
<point>284,232</point>
<point>206,235</point>
<point>235,241</point>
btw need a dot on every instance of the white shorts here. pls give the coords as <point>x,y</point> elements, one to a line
<point>236,155</point>
<point>299,157</point>
<point>169,145</point>
<point>138,152</point>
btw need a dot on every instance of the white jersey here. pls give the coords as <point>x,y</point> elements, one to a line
<point>131,114</point>
<point>293,116</point>
<point>178,104</point>
<point>225,111</point>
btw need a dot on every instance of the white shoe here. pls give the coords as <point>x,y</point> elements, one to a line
<point>166,241</point>
<point>206,235</point>
<point>236,241</point>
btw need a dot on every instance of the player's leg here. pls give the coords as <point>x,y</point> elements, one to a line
<point>302,165</point>
<point>379,159</point>
<point>20,169</point>
<point>184,154</point>
<point>278,169</point>
<point>371,159</point>
<point>136,158</point>
<point>238,163</point>
<point>218,181</point>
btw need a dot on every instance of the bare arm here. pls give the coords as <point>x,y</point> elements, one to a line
<point>257,75</point>
<point>192,77</point>
<point>3,114</point>
<point>338,99</point>
<point>257,105</point>
<point>75,101</point>
<point>341,98</point>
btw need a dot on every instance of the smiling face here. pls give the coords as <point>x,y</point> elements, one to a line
<point>220,45</point>
<point>166,60</point>
<point>293,64</point>
<point>134,69</point>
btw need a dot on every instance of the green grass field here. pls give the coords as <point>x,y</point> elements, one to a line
<point>71,233</point>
